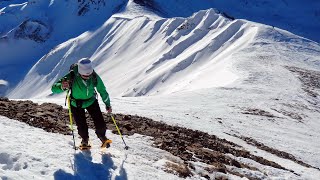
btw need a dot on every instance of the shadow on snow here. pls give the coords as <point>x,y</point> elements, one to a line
<point>84,168</point>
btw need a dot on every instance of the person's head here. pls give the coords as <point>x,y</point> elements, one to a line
<point>85,68</point>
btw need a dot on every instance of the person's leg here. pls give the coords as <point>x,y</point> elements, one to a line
<point>96,115</point>
<point>80,119</point>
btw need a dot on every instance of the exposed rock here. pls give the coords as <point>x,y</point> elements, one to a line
<point>86,5</point>
<point>258,112</point>
<point>281,154</point>
<point>309,79</point>
<point>34,30</point>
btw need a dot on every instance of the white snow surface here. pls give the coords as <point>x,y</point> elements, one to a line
<point>42,155</point>
<point>201,72</point>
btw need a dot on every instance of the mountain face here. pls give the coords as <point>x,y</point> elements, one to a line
<point>5,3</point>
<point>44,13</point>
<point>34,27</point>
<point>34,30</point>
<point>148,56</point>
<point>299,17</point>
<point>37,30</point>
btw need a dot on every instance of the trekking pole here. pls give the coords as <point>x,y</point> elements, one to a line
<point>65,101</point>
<point>114,121</point>
<point>71,122</point>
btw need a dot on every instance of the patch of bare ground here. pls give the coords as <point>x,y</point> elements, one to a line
<point>190,145</point>
<point>293,115</point>
<point>258,112</point>
<point>276,152</point>
<point>178,168</point>
<point>309,79</point>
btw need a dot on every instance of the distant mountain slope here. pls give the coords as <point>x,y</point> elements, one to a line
<point>296,16</point>
<point>29,30</point>
<point>4,3</point>
<point>139,56</point>
<point>299,17</point>
<point>38,26</point>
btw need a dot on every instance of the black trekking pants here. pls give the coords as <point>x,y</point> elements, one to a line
<point>96,115</point>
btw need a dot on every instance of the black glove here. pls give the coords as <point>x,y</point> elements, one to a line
<point>109,109</point>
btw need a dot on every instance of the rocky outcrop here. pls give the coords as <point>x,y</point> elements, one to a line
<point>35,30</point>
<point>86,5</point>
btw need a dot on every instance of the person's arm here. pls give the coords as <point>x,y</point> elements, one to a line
<point>103,92</point>
<point>61,85</point>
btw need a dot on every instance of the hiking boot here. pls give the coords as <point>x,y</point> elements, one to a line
<point>105,142</point>
<point>103,138</point>
<point>84,144</point>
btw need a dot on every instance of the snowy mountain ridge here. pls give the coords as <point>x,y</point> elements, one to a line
<point>51,28</point>
<point>181,43</point>
<point>34,27</point>
<point>178,54</point>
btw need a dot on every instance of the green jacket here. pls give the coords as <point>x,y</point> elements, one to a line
<point>83,89</point>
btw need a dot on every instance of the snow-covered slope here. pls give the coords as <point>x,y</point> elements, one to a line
<point>147,55</point>
<point>239,68</point>
<point>34,27</point>
<point>299,17</point>
<point>43,155</point>
<point>5,3</point>
<point>29,30</point>
<point>150,56</point>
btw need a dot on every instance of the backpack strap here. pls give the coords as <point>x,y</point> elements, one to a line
<point>71,80</point>
<point>72,74</point>
<point>95,79</point>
